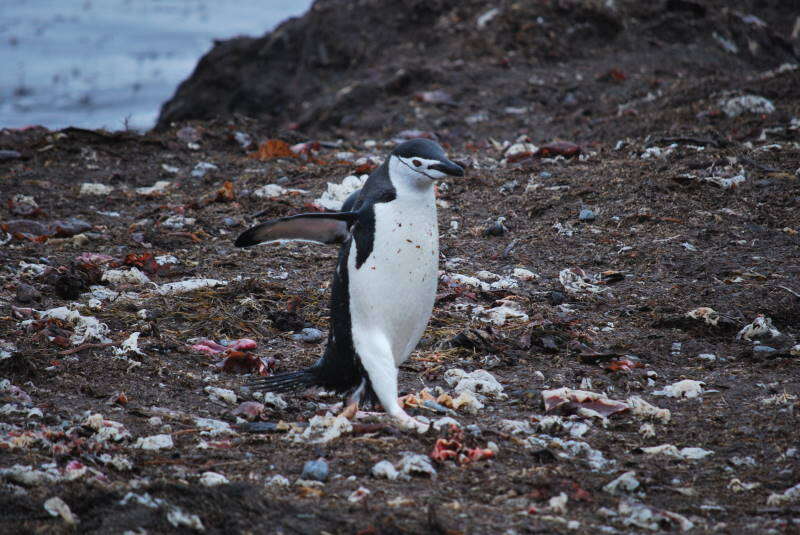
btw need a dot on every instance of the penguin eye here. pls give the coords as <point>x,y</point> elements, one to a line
<point>416,163</point>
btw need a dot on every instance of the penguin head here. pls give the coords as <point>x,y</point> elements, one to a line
<point>420,162</point>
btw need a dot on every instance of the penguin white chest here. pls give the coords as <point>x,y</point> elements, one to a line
<point>392,293</point>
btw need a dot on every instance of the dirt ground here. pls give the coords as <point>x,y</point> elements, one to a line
<point>639,203</point>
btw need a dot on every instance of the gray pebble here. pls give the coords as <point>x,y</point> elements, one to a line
<point>315,470</point>
<point>587,215</point>
<point>9,155</point>
<point>545,174</point>
<point>764,349</point>
<point>556,298</point>
<point>474,430</point>
<point>27,293</point>
<point>437,407</point>
<point>309,335</point>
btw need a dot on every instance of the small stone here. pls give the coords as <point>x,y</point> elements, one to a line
<point>497,228</point>
<point>315,470</point>
<point>212,479</point>
<point>763,349</point>
<point>57,507</point>
<point>385,469</point>
<point>587,215</point>
<point>202,168</point>
<point>555,298</point>
<point>474,430</point>
<point>309,335</point>
<point>154,442</point>
<point>9,155</point>
<point>27,293</point>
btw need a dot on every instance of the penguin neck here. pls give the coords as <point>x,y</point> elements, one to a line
<point>409,184</point>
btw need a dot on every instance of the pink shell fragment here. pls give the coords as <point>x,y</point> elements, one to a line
<point>570,401</point>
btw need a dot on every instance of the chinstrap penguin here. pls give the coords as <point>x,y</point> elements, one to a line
<point>385,281</point>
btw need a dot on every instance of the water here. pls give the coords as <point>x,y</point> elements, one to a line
<point>112,63</point>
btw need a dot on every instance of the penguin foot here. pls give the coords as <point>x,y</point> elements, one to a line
<point>350,410</point>
<point>412,424</point>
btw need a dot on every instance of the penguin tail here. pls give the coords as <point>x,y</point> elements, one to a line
<point>285,382</point>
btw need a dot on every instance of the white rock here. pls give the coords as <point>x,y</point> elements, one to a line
<point>737,485</point>
<point>484,19</point>
<point>155,442</point>
<point>470,281</point>
<point>415,463</point>
<point>273,191</point>
<point>177,222</point>
<point>688,388</point>
<point>212,479</point>
<point>165,259</point>
<point>637,514</point>
<point>385,469</point>
<point>273,399</point>
<point>335,194</point>
<point>761,325</point>
<point>212,428</point>
<point>755,104</point>
<point>221,394</point>
<point>86,327</point>
<point>189,285</point>
<point>516,427</point>
<point>499,315</point>
<point>647,430</point>
<point>790,495</point>
<point>55,506</point>
<point>708,315</point>
<point>505,283</point>
<point>643,409</point>
<point>445,422</point>
<point>358,495</point>
<point>525,275</point>
<point>468,402</point>
<point>558,504</point>
<point>130,345</point>
<point>125,276</point>
<point>178,517</point>
<point>477,382</point>
<point>26,475</point>
<point>142,499</point>
<point>321,429</point>
<point>159,188</point>
<point>487,275</point>
<point>201,168</point>
<point>519,148</point>
<point>118,462</point>
<point>277,481</point>
<point>695,453</point>
<point>568,449</point>
<point>725,182</point>
<point>577,281</point>
<point>93,188</point>
<point>625,483</point>
<point>691,454</point>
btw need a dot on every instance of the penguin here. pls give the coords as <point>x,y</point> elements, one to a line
<point>385,280</point>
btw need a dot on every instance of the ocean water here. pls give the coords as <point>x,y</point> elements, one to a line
<point>112,63</point>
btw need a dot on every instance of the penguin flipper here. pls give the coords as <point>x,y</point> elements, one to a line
<point>322,227</point>
<point>284,382</point>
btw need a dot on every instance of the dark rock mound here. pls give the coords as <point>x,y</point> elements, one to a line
<point>354,64</point>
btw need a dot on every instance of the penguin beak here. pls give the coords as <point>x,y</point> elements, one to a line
<point>447,167</point>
